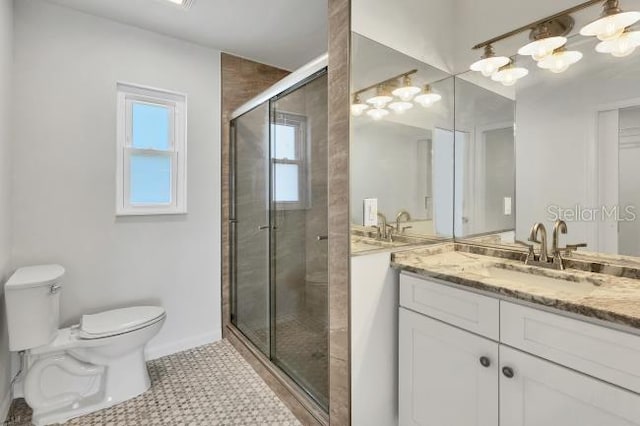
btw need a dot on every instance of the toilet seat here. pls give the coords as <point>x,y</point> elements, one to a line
<point>118,321</point>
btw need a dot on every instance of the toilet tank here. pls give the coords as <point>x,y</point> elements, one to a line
<point>32,296</point>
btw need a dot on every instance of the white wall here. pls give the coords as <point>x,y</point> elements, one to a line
<point>421,29</point>
<point>374,341</point>
<point>66,68</point>
<point>6,59</point>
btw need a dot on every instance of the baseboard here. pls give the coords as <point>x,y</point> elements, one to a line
<point>158,351</point>
<point>5,404</point>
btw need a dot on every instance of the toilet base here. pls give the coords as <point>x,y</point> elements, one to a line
<point>124,378</point>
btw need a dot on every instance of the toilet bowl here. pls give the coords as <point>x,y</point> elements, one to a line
<point>83,368</point>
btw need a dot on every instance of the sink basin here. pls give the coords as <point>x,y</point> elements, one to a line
<point>557,282</point>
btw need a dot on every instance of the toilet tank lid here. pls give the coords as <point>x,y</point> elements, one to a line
<point>34,276</point>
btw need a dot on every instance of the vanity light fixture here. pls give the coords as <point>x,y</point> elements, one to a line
<point>489,62</point>
<point>382,98</point>
<point>427,98</point>
<point>407,91</point>
<point>509,74</point>
<point>547,37</point>
<point>624,45</point>
<point>377,113</point>
<point>612,22</point>
<point>560,60</point>
<point>357,107</point>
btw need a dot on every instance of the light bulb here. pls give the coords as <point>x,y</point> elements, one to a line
<point>489,63</point>
<point>407,91</point>
<point>400,106</point>
<point>624,45</point>
<point>560,61</point>
<point>427,98</point>
<point>542,48</point>
<point>358,109</point>
<point>508,76</point>
<point>379,101</point>
<point>488,66</point>
<point>611,26</point>
<point>377,113</point>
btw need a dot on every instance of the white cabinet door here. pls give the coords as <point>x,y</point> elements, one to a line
<point>541,393</point>
<point>442,381</point>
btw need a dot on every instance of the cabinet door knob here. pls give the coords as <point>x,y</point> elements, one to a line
<point>508,372</point>
<point>484,361</point>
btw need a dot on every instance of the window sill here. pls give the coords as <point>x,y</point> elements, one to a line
<point>150,212</point>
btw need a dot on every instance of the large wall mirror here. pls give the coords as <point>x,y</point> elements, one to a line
<point>491,158</point>
<point>577,141</point>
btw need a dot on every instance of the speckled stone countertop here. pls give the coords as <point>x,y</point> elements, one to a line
<point>363,241</point>
<point>612,297</point>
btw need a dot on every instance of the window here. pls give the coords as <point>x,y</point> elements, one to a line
<point>289,161</point>
<point>152,151</point>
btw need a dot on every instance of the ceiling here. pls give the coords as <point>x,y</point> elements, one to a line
<point>283,33</point>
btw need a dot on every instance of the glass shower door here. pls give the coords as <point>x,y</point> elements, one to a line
<point>299,261</point>
<point>250,226</point>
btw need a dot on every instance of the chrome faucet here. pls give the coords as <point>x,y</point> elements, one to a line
<point>402,214</point>
<point>559,227</point>
<point>557,253</point>
<point>536,229</point>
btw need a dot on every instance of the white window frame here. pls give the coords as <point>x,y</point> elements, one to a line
<point>127,95</point>
<point>299,122</point>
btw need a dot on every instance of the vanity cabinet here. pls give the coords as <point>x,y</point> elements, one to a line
<point>442,380</point>
<point>461,365</point>
<point>541,393</point>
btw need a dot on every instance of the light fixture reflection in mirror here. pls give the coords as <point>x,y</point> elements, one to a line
<point>611,23</point>
<point>407,91</point>
<point>377,113</point>
<point>382,98</point>
<point>427,98</point>
<point>560,61</point>
<point>357,107</point>
<point>400,107</point>
<point>624,45</point>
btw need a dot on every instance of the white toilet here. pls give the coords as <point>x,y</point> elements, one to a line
<point>77,370</point>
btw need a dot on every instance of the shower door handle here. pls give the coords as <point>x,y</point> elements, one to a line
<point>322,237</point>
<point>263,227</point>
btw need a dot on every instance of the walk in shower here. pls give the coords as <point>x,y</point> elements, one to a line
<point>278,226</point>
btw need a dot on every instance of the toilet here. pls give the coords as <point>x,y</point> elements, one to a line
<point>74,371</point>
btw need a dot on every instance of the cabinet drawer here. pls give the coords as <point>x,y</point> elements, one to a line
<point>464,309</point>
<point>600,352</point>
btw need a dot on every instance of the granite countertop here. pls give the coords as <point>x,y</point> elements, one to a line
<point>363,241</point>
<point>610,297</point>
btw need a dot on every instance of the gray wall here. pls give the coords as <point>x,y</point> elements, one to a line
<point>66,68</point>
<point>6,47</point>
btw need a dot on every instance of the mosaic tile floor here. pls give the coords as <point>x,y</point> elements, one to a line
<point>209,385</point>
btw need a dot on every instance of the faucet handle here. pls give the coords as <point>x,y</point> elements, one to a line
<point>527,245</point>
<point>404,228</point>
<point>573,247</point>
